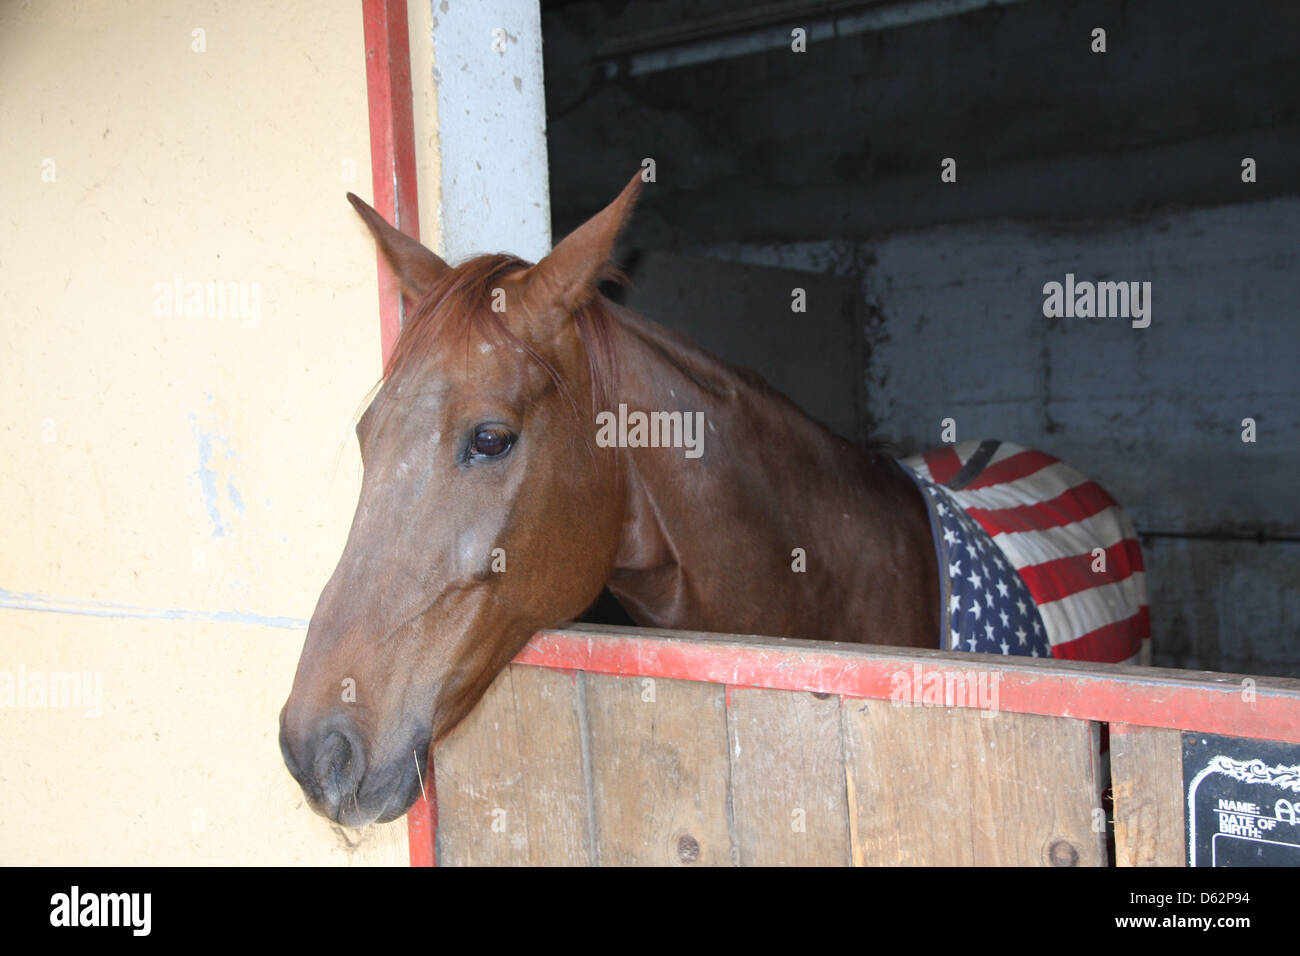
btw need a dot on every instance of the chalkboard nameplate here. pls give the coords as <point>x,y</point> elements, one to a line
<point>1243,801</point>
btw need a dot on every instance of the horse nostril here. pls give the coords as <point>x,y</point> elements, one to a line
<point>339,766</point>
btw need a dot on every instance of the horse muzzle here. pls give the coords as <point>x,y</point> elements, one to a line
<point>341,783</point>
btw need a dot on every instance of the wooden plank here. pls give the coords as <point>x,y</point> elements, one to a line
<point>549,745</point>
<point>950,786</point>
<point>1147,778</point>
<point>659,771</point>
<point>1154,697</point>
<point>481,802</point>
<point>787,777</point>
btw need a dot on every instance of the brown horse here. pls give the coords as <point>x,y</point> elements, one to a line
<point>493,506</point>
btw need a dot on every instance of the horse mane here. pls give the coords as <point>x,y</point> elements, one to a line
<point>724,380</point>
<point>460,302</point>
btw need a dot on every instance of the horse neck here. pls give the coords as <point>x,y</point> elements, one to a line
<point>715,542</point>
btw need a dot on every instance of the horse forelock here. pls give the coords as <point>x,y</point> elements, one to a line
<point>461,300</point>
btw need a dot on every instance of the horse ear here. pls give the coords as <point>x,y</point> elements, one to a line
<point>568,276</point>
<point>415,266</point>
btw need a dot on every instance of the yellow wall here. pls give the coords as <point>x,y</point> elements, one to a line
<point>178,487</point>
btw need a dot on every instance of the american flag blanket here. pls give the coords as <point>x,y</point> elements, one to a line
<point>1034,558</point>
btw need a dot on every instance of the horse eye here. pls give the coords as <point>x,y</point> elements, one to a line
<point>491,442</point>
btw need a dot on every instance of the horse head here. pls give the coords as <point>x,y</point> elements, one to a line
<point>486,511</point>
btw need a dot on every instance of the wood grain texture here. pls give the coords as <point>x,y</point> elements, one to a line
<point>562,768</point>
<point>549,744</point>
<point>511,783</point>
<point>1147,777</point>
<point>480,782</point>
<point>787,774</point>
<point>659,771</point>
<point>941,786</point>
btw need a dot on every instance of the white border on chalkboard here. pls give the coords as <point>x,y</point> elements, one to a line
<point>1247,771</point>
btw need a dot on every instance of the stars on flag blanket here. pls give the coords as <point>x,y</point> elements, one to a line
<point>990,611</point>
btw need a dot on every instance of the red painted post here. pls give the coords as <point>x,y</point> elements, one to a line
<point>392,164</point>
<point>422,825</point>
<point>1107,693</point>
<point>392,142</point>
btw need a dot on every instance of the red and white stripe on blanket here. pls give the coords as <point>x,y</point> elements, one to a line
<point>1074,547</point>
